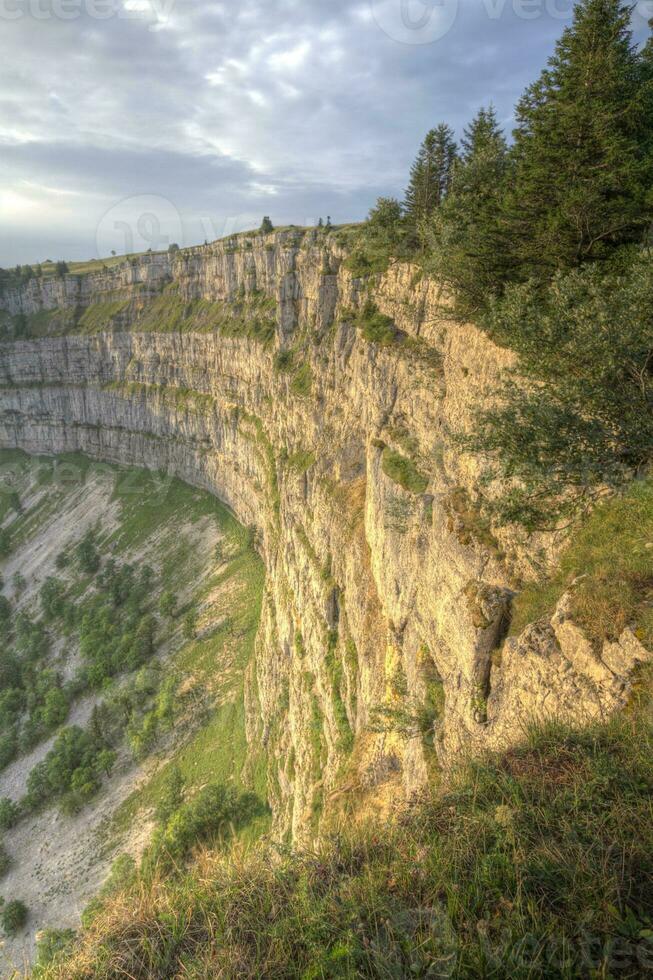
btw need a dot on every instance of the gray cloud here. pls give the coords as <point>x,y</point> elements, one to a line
<point>229,112</point>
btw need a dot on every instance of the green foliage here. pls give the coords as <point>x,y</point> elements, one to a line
<point>168,604</point>
<point>582,154</point>
<point>13,915</point>
<point>403,471</point>
<point>465,238</point>
<point>52,597</point>
<point>71,770</point>
<point>384,236</point>
<point>171,798</point>
<point>584,418</point>
<point>430,177</point>
<point>144,730</point>
<point>189,626</point>
<point>375,326</point>
<point>211,817</point>
<point>87,554</point>
<point>266,226</point>
<point>5,860</point>
<point>9,812</point>
<point>116,632</point>
<point>5,542</point>
<point>51,946</point>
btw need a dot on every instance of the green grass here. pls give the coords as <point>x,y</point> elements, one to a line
<point>301,460</point>
<point>376,327</point>
<point>610,559</point>
<point>527,865</point>
<point>103,316</point>
<point>302,381</point>
<point>403,471</point>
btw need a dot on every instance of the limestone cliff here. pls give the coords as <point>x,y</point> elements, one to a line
<point>246,367</point>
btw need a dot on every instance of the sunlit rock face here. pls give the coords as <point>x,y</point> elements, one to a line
<point>380,653</point>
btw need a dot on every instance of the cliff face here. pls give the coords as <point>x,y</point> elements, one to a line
<point>388,596</point>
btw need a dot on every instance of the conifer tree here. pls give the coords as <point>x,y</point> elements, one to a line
<point>582,154</point>
<point>430,176</point>
<point>465,235</point>
<point>482,135</point>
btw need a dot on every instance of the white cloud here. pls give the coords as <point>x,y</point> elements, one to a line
<point>233,105</point>
<point>291,59</point>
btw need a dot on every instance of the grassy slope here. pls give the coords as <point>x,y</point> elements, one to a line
<point>532,863</point>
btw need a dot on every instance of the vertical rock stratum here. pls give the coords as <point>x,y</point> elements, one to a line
<point>324,409</point>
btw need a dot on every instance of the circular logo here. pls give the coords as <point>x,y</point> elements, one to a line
<point>138,224</point>
<point>415,21</point>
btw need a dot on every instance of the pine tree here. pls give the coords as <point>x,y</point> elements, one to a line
<point>582,155</point>
<point>430,176</point>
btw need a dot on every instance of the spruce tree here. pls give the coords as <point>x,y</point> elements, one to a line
<point>467,252</point>
<point>582,158</point>
<point>482,135</point>
<point>430,176</point>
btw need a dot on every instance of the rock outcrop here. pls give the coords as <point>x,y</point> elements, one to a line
<point>249,367</point>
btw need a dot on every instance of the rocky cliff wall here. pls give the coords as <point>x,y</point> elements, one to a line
<point>380,653</point>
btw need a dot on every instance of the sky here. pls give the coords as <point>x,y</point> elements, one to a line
<point>128,124</point>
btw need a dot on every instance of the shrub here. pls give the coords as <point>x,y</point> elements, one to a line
<point>14,916</point>
<point>72,769</point>
<point>87,554</point>
<point>376,327</point>
<point>5,543</point>
<point>210,817</point>
<point>50,945</point>
<point>5,860</point>
<point>403,471</point>
<point>168,604</point>
<point>9,812</point>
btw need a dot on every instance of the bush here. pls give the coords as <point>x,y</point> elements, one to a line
<point>168,604</point>
<point>9,812</point>
<point>5,543</point>
<point>376,327</point>
<point>403,471</point>
<point>5,860</point>
<point>72,769</point>
<point>14,916</point>
<point>87,554</point>
<point>210,817</point>
<point>50,945</point>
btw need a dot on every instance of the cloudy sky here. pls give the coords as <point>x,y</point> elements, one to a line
<point>130,123</point>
